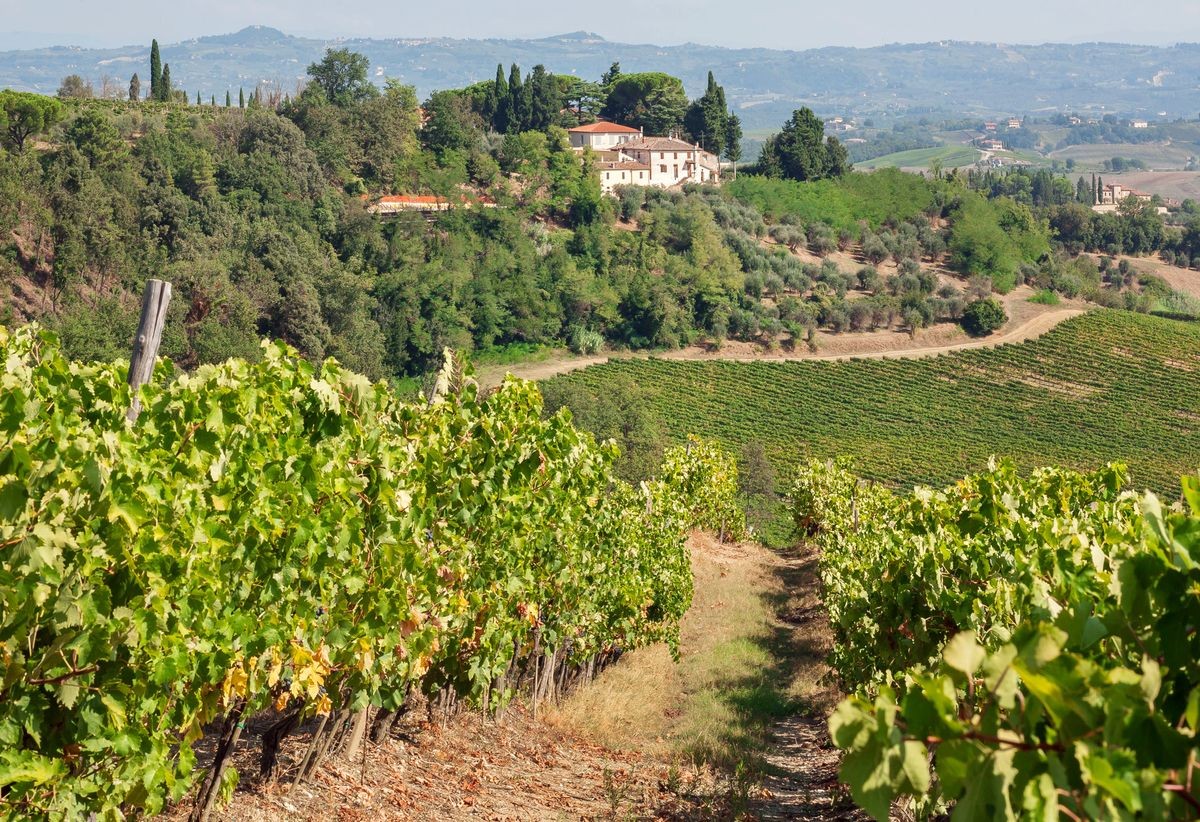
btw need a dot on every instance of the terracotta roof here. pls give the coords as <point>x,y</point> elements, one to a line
<point>604,128</point>
<point>656,144</point>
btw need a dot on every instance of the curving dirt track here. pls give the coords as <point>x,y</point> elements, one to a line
<point>1027,329</point>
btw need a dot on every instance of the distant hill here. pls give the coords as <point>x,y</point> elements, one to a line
<point>766,84</point>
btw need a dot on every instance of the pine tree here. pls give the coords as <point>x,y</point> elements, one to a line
<point>228,101</point>
<point>164,85</point>
<point>155,70</point>
<point>241,98</point>
<point>135,88</point>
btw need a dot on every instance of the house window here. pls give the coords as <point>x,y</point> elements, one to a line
<point>641,175</point>
<point>663,168</point>
<point>676,157</point>
<point>677,169</point>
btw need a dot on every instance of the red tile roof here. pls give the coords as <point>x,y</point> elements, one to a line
<point>604,128</point>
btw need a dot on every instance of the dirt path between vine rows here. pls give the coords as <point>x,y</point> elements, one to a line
<point>874,345</point>
<point>801,778</point>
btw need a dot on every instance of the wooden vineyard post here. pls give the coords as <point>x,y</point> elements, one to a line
<point>155,299</point>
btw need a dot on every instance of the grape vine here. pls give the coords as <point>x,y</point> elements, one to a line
<point>279,534</point>
<point>1018,647</point>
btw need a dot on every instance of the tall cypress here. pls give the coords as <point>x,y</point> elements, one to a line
<point>164,84</point>
<point>493,106</point>
<point>241,98</point>
<point>155,70</point>
<point>518,109</point>
<point>198,99</point>
<point>228,101</point>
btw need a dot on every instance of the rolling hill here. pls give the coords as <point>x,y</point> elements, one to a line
<point>764,84</point>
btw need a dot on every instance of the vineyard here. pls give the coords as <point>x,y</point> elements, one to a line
<point>287,540</point>
<point>1103,386</point>
<point>1017,647</point>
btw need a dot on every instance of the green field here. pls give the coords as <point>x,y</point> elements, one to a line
<point>948,156</point>
<point>1154,155</point>
<point>1104,386</point>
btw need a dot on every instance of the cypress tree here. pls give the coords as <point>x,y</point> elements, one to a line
<point>518,110</point>
<point>228,102</point>
<point>241,98</point>
<point>545,99</point>
<point>500,89</point>
<point>164,85</point>
<point>135,88</point>
<point>212,100</point>
<point>198,98</point>
<point>155,70</point>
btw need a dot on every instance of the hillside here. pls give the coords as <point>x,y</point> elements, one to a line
<point>1104,386</point>
<point>764,84</point>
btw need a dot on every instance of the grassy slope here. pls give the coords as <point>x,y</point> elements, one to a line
<point>949,156</point>
<point>1105,386</point>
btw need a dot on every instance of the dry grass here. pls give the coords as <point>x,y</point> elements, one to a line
<point>740,671</point>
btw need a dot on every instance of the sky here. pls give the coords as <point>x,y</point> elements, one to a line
<point>786,24</point>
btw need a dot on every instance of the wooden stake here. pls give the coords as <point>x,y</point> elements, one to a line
<point>155,299</point>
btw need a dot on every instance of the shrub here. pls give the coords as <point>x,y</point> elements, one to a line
<point>584,341</point>
<point>982,317</point>
<point>1045,297</point>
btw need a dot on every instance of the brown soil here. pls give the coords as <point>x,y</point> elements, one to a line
<point>1026,321</point>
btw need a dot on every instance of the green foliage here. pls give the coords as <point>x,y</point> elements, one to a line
<point>802,152</point>
<point>1045,297</point>
<point>982,317</point>
<point>283,531</point>
<point>650,100</point>
<point>1022,646</point>
<point>27,115</point>
<point>707,119</point>
<point>880,197</point>
<point>155,71</point>
<point>341,78</point>
<point>994,238</point>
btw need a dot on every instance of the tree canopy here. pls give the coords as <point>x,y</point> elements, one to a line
<point>27,114</point>
<point>801,151</point>
<point>650,100</point>
<point>341,77</point>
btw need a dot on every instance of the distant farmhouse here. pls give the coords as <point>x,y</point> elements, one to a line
<point>627,157</point>
<point>1110,197</point>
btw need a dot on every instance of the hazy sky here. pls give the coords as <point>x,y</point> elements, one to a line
<point>792,24</point>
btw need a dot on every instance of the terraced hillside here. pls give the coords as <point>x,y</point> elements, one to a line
<point>1107,385</point>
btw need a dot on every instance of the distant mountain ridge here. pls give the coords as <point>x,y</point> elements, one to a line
<point>949,77</point>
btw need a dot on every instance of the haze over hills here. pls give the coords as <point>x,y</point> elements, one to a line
<point>764,84</point>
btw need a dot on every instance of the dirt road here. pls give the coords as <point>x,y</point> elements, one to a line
<point>1020,331</point>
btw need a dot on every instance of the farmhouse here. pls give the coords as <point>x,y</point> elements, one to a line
<point>1140,124</point>
<point>1014,122</point>
<point>625,156</point>
<point>1110,197</point>
<point>1115,193</point>
<point>601,136</point>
